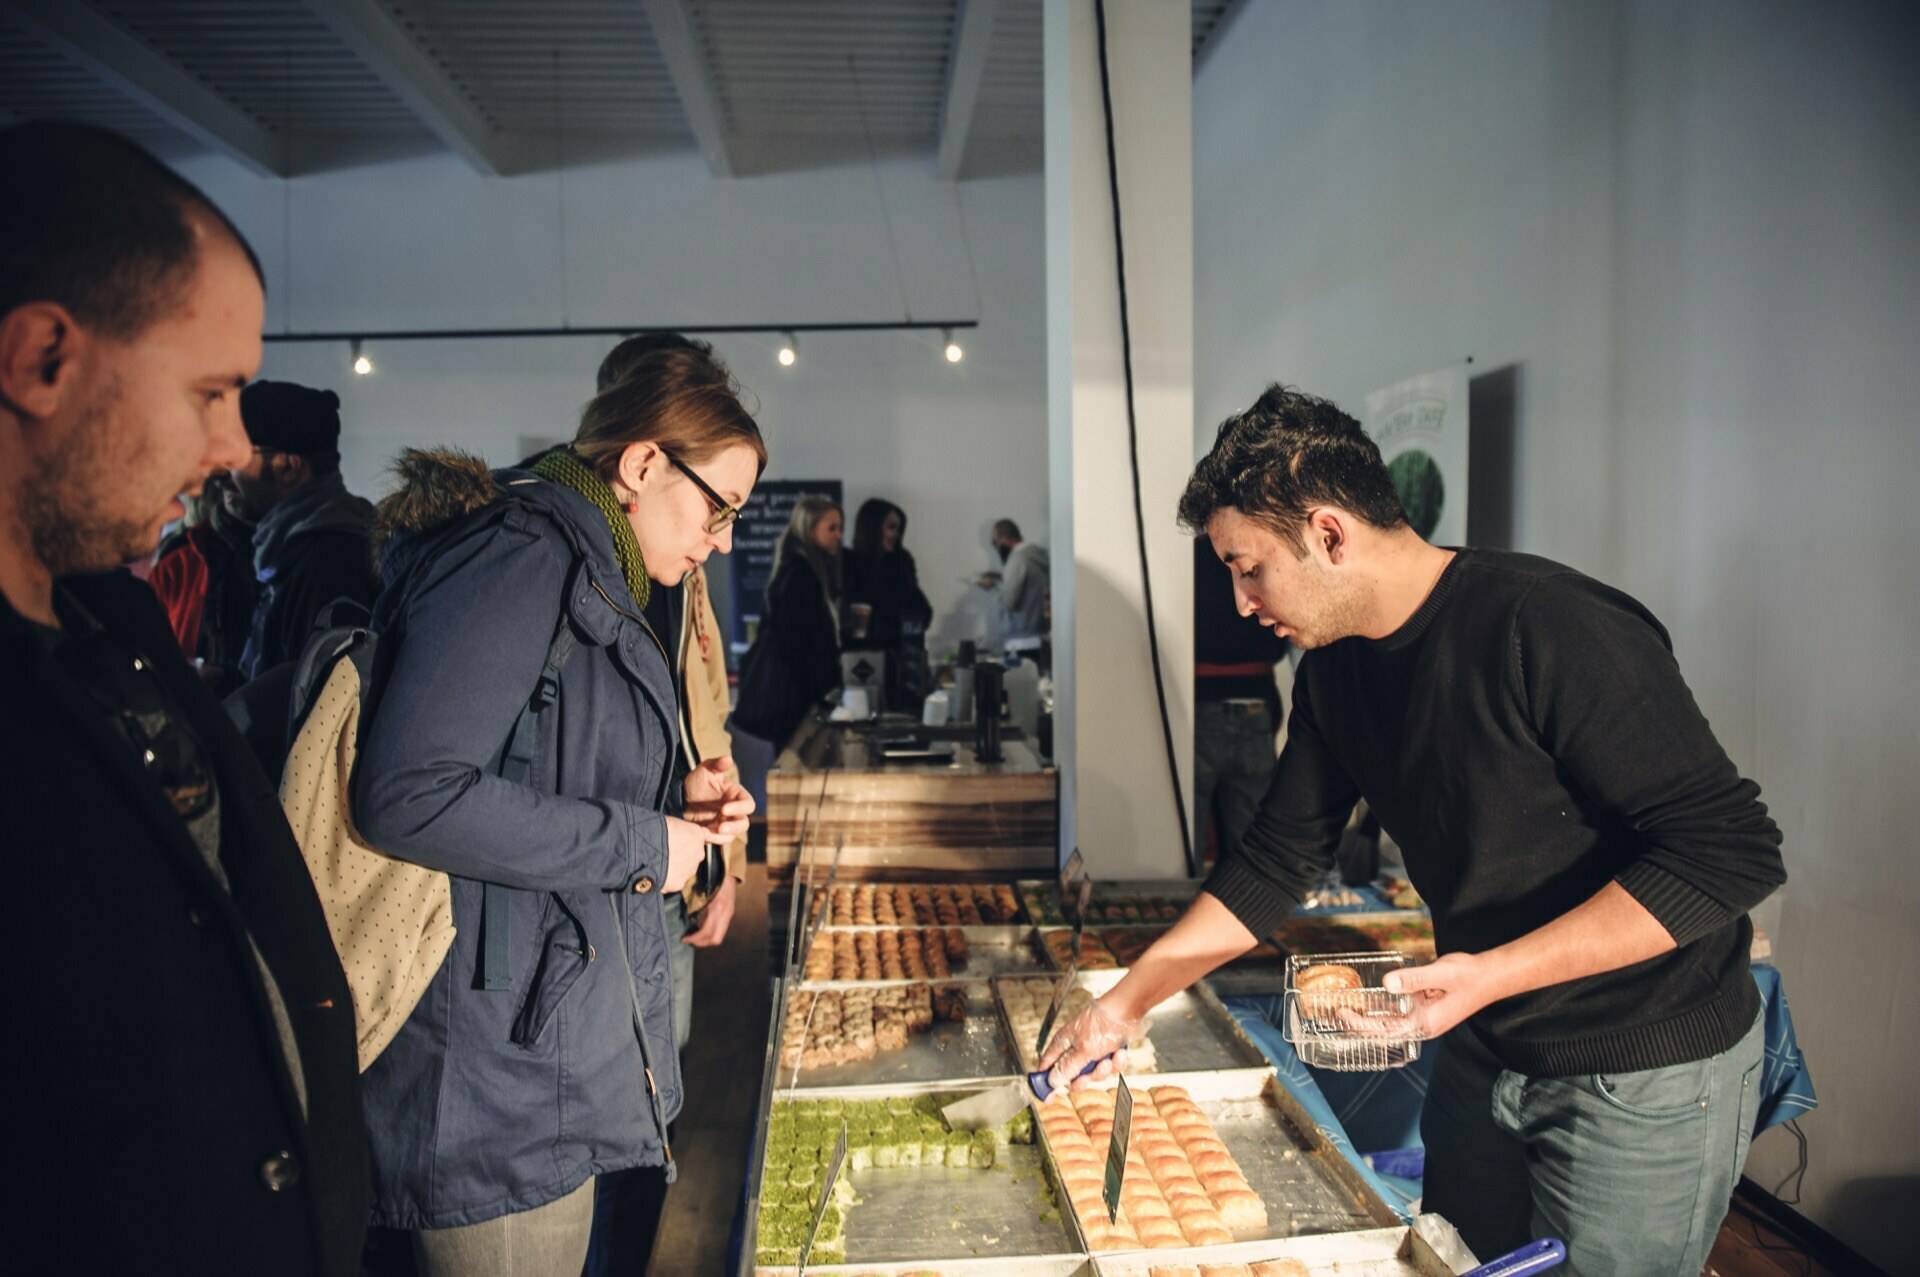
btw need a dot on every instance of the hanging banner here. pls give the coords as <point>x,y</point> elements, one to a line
<point>1421,427</point>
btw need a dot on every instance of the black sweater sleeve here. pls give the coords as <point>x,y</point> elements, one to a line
<point>1296,831</point>
<point>1599,682</point>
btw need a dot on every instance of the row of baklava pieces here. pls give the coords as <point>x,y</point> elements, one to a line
<point>870,904</point>
<point>1181,1187</point>
<point>886,955</point>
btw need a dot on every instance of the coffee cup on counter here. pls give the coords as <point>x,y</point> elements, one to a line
<point>934,712</point>
<point>854,702</point>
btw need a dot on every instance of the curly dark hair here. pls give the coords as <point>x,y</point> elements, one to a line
<point>1282,457</point>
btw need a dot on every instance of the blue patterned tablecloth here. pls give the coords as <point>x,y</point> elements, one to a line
<point>1374,1118</point>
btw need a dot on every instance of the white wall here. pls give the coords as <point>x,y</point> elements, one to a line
<point>427,243</point>
<point>1689,229</point>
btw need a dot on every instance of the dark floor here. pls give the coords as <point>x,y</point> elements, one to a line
<point>732,999</point>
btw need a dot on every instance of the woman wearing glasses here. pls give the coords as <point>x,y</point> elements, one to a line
<point>509,1089</point>
<point>795,659</point>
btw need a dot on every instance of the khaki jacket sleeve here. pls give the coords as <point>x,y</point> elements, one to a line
<point>705,678</point>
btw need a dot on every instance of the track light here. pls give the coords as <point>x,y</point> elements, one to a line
<point>954,353</point>
<point>788,353</point>
<point>362,366</point>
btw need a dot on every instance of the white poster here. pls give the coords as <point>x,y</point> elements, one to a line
<point>1421,427</point>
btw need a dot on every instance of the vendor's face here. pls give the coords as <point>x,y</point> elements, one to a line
<point>670,520</point>
<point>890,532</point>
<point>1302,598</point>
<point>828,532</point>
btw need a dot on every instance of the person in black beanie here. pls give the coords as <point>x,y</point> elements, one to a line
<point>882,580</point>
<point>311,539</point>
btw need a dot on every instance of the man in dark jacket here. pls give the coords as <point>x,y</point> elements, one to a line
<point>310,542</point>
<point>181,1085</point>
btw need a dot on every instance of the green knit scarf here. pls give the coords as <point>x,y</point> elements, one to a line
<point>564,467</point>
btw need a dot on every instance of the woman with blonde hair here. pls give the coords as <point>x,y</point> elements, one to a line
<point>542,1053</point>
<point>795,659</point>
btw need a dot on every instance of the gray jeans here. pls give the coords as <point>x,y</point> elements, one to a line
<point>536,1243</point>
<point>1632,1171</point>
<point>1233,758</point>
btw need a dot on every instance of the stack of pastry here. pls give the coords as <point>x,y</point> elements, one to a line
<point>869,904</point>
<point>1027,1002</point>
<point>1241,1209</point>
<point>1182,1187</point>
<point>886,955</point>
<point>842,1026</point>
<point>1259,1268</point>
<point>1094,955</point>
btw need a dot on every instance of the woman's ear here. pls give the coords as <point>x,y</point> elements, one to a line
<point>638,463</point>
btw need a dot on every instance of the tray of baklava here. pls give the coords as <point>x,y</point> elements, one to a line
<point>871,955</point>
<point>1190,1032</point>
<point>864,1035</point>
<point>1215,1160</point>
<point>914,1194</point>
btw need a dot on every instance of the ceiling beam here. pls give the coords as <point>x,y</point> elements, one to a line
<point>379,41</point>
<point>135,69</point>
<point>674,31</point>
<point>966,68</point>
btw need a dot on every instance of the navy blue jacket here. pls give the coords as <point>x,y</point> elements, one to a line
<point>493,1102</point>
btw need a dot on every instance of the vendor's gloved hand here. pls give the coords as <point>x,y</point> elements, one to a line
<point>1097,1032</point>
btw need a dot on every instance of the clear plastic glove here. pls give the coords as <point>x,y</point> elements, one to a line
<point>1098,1032</point>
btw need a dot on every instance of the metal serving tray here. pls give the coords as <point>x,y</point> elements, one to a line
<point>1025,1266</point>
<point>932,1217</point>
<point>1429,1247</point>
<point>1191,1032</point>
<point>1042,900</point>
<point>1308,1187</point>
<point>991,952</point>
<point>977,1047</point>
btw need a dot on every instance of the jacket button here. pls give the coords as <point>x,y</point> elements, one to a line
<point>195,917</point>
<point>643,886</point>
<point>280,1172</point>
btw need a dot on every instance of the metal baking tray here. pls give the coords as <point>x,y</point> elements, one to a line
<point>991,952</point>
<point>935,1215</point>
<point>1429,1247</point>
<point>1042,900</point>
<point>1191,1032</point>
<point>1308,1187</point>
<point>1024,1266</point>
<point>977,1047</point>
<point>1019,895</point>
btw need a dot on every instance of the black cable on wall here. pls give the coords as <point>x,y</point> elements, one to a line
<point>1133,444</point>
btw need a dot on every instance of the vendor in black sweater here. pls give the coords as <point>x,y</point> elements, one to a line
<point>1587,848</point>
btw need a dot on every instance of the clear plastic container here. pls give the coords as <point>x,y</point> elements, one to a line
<point>1350,1027</point>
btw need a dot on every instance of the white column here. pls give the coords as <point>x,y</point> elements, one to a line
<point>1117,803</point>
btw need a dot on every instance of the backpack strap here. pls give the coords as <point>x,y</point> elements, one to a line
<point>516,765</point>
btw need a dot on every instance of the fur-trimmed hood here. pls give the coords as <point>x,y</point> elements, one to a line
<point>437,486</point>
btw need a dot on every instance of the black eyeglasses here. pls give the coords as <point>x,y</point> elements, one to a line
<point>724,514</point>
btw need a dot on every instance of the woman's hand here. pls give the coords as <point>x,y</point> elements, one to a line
<point>716,800</point>
<point>687,851</point>
<point>715,921</point>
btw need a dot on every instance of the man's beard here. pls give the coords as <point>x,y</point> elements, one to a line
<point>61,504</point>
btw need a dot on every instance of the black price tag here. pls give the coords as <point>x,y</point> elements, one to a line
<point>1053,1008</point>
<point>826,1196</point>
<point>1117,1149</point>
<point>1072,868</point>
<point>1082,898</point>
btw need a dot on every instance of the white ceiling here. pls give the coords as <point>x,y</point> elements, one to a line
<point>290,86</point>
